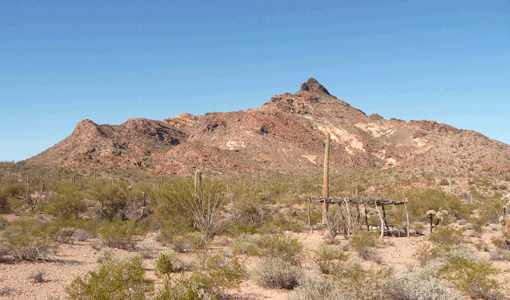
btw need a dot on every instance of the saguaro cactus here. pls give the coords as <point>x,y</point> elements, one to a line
<point>325,186</point>
<point>198,182</point>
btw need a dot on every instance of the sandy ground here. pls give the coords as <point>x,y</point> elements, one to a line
<point>77,259</point>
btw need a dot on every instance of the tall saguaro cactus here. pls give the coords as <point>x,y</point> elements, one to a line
<point>198,182</point>
<point>325,186</point>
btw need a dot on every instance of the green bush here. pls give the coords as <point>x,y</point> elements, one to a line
<point>444,182</point>
<point>363,242</point>
<point>214,275</point>
<point>67,202</point>
<point>5,206</point>
<point>120,234</point>
<point>190,242</point>
<point>27,240</point>
<point>319,288</point>
<point>111,197</point>
<point>165,263</point>
<point>147,248</point>
<point>278,245</point>
<point>274,272</point>
<point>114,279</point>
<point>423,200</point>
<point>329,258</point>
<point>447,236</point>
<point>500,254</point>
<point>104,255</point>
<point>474,278</point>
<point>407,287</point>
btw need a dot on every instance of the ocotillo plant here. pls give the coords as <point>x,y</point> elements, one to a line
<point>325,187</point>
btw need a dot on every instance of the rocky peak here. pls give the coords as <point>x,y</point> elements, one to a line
<point>87,126</point>
<point>312,85</point>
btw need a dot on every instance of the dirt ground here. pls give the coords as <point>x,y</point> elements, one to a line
<point>77,259</point>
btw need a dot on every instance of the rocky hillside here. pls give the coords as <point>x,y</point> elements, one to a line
<point>285,135</point>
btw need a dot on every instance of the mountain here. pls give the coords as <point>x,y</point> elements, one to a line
<point>286,135</point>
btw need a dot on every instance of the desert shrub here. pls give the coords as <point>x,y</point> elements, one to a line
<point>67,202</point>
<point>444,182</point>
<point>119,234</point>
<point>493,208</point>
<point>329,258</point>
<point>363,283</point>
<point>114,279</point>
<point>474,278</point>
<point>5,206</point>
<point>500,254</point>
<point>9,197</point>
<point>104,255</point>
<point>111,198</point>
<point>447,236</point>
<point>247,217</point>
<point>459,251</point>
<point>190,241</point>
<point>27,240</point>
<point>96,245</point>
<point>37,275</point>
<point>147,248</point>
<point>278,245</point>
<point>500,243</point>
<point>64,235</point>
<point>319,288</point>
<point>463,268</point>
<point>407,287</point>
<point>274,272</point>
<point>213,276</point>
<point>353,283</point>
<point>363,242</point>
<point>81,235</point>
<point>418,227</point>
<point>165,263</point>
<point>423,200</point>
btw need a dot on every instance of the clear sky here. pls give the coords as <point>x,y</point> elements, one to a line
<point>63,61</point>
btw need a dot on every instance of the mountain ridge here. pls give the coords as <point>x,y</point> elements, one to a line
<point>286,134</point>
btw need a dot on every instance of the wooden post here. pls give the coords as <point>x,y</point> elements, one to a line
<point>348,217</point>
<point>325,185</point>
<point>407,218</point>
<point>366,218</point>
<point>309,218</point>
<point>384,217</point>
<point>381,219</point>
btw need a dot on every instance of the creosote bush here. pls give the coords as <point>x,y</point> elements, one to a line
<point>278,245</point>
<point>165,263</point>
<point>212,277</point>
<point>114,279</point>
<point>329,258</point>
<point>190,242</point>
<point>274,272</point>
<point>363,242</point>
<point>147,248</point>
<point>407,287</point>
<point>104,255</point>
<point>28,240</point>
<point>319,288</point>
<point>447,236</point>
<point>120,234</point>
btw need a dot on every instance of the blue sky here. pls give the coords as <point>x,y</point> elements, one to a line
<point>63,61</point>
